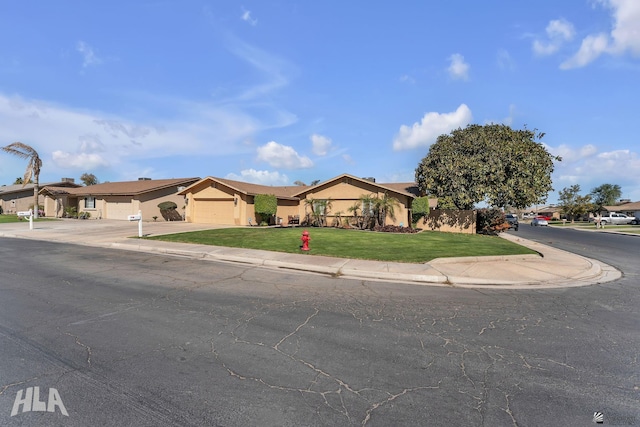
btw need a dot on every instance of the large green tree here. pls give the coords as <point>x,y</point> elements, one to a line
<point>572,203</point>
<point>34,165</point>
<point>605,195</point>
<point>491,163</point>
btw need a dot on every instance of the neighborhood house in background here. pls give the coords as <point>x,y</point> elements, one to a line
<point>226,202</point>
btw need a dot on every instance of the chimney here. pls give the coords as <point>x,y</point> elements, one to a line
<point>144,179</point>
<point>369,178</point>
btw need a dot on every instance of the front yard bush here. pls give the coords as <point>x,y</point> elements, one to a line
<point>265,206</point>
<point>491,221</point>
<point>169,211</point>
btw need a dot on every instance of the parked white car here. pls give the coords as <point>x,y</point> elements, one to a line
<point>613,218</point>
<point>539,221</point>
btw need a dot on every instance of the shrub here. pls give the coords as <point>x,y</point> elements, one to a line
<point>167,206</point>
<point>70,212</point>
<point>169,212</point>
<point>491,221</point>
<point>419,209</point>
<point>394,229</point>
<point>265,206</point>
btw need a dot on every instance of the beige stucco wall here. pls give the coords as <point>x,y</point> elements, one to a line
<point>19,201</point>
<point>208,191</point>
<point>147,203</point>
<point>451,221</point>
<point>345,192</point>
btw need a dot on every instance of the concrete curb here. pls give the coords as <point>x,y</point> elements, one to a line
<point>547,269</point>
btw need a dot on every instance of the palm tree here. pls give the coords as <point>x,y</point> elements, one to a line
<point>385,206</point>
<point>319,209</point>
<point>25,151</point>
<point>368,210</point>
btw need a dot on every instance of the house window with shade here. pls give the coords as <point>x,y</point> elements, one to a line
<point>90,202</point>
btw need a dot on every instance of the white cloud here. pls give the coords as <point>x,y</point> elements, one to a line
<point>591,48</point>
<point>321,144</point>
<point>77,136</point>
<point>275,71</point>
<point>246,17</point>
<point>626,29</point>
<point>282,156</point>
<point>624,35</point>
<point>572,155</point>
<point>505,61</point>
<point>84,161</point>
<point>348,159</point>
<point>88,55</point>
<point>260,177</point>
<point>430,127</point>
<point>590,168</point>
<point>558,32</point>
<point>458,69</point>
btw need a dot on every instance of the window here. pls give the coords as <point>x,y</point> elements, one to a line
<point>319,206</point>
<point>367,206</point>
<point>90,202</point>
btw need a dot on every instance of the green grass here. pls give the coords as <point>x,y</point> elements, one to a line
<point>627,228</point>
<point>415,248</point>
<point>14,218</point>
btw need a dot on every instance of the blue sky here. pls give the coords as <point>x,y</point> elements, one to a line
<point>273,92</point>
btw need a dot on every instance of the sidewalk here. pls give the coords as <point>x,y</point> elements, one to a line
<point>554,268</point>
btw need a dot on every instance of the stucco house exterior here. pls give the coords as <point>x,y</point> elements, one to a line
<point>18,197</point>
<point>117,200</point>
<point>222,201</point>
<point>628,208</point>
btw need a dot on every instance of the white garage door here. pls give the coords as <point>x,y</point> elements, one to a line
<point>118,210</point>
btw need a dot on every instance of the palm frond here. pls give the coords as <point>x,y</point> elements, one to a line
<point>21,150</point>
<point>25,151</point>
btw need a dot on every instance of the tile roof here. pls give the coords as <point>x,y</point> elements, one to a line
<point>253,189</point>
<point>123,188</point>
<point>632,206</point>
<point>405,187</point>
<point>294,192</point>
<point>402,188</point>
<point>16,188</point>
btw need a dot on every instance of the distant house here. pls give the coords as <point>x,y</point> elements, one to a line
<point>117,200</point>
<point>18,197</point>
<point>629,208</point>
<point>551,211</point>
<point>222,201</point>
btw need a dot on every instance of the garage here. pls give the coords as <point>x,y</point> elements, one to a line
<point>118,209</point>
<point>214,211</point>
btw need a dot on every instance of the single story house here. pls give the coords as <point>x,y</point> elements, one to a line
<point>551,211</point>
<point>117,200</point>
<point>629,209</point>
<point>222,201</point>
<point>19,197</point>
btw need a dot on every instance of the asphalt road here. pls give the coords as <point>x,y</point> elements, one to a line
<point>619,250</point>
<point>131,339</point>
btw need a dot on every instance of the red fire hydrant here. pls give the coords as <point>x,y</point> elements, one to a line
<point>305,240</point>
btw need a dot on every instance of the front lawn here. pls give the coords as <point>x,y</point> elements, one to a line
<point>15,218</point>
<point>415,248</point>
